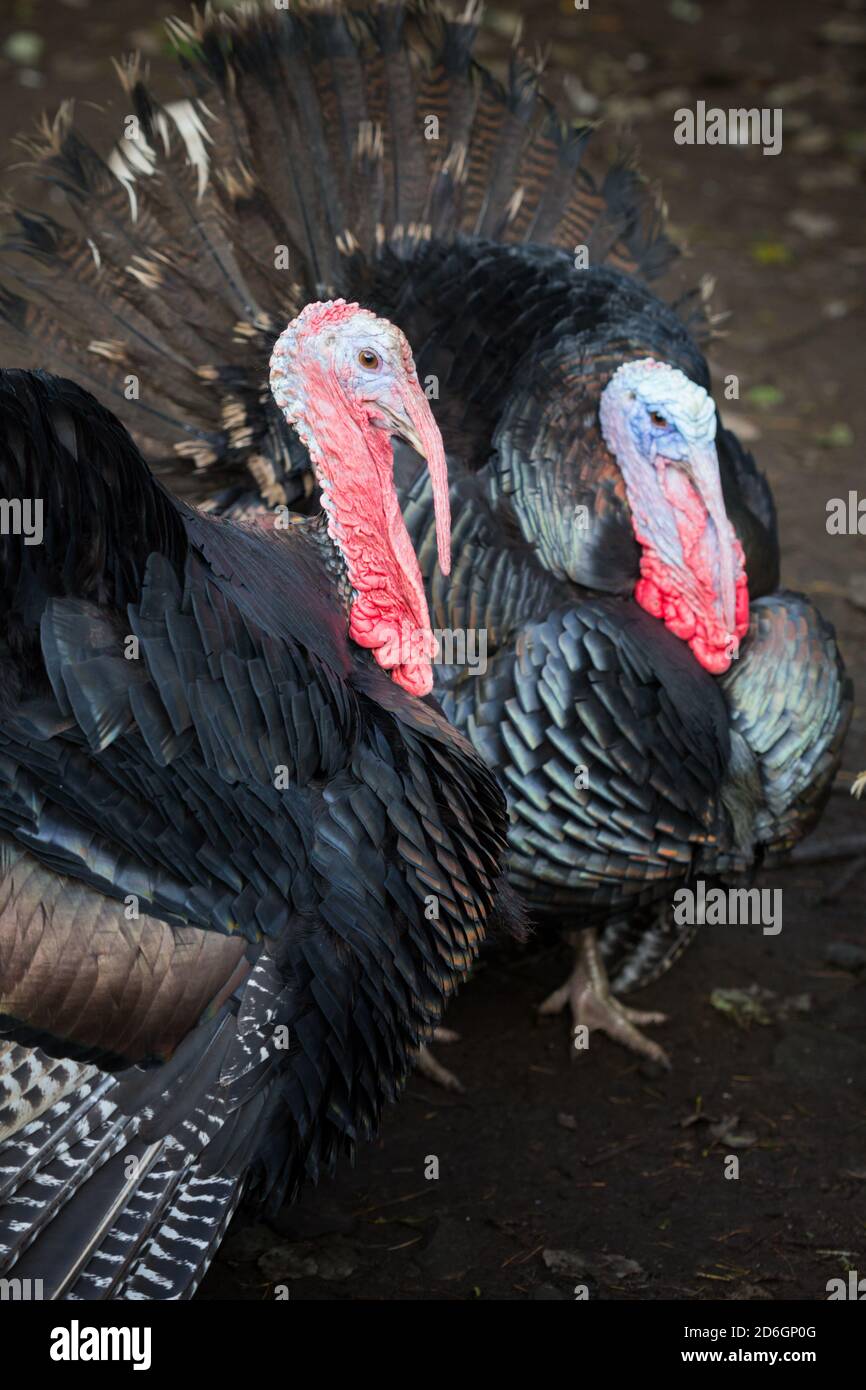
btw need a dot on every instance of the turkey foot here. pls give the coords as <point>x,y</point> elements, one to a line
<point>587,991</point>
<point>433,1070</point>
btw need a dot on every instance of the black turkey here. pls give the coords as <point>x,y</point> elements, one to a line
<point>656,708</point>
<point>241,868</point>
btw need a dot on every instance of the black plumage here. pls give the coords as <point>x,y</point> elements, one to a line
<point>222,828</point>
<point>369,145</point>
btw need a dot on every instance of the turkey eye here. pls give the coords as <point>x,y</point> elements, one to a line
<point>658,420</point>
<point>368,359</point>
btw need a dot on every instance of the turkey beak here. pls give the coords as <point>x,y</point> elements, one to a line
<point>417,427</point>
<point>703,469</point>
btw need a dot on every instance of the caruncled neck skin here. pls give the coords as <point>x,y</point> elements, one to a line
<point>354,463</point>
<point>660,427</point>
<point>684,598</point>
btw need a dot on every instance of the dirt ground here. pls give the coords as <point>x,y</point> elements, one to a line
<point>556,1171</point>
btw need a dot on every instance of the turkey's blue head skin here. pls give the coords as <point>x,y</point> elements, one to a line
<point>666,413</point>
<point>661,429</point>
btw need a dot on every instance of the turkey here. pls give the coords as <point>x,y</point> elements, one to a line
<point>242,864</point>
<point>657,709</point>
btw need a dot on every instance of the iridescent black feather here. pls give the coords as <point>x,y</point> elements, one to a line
<point>221,830</point>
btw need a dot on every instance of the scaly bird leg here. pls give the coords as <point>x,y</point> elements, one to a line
<point>593,1007</point>
<point>433,1070</point>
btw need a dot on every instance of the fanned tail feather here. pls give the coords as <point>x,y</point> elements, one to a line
<point>90,1205</point>
<point>309,142</point>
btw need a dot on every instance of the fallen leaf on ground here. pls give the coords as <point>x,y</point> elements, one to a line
<point>574,1264</point>
<point>755,1004</point>
<point>765,397</point>
<point>770,252</point>
<point>725,1131</point>
<point>814,225</point>
<point>838,436</point>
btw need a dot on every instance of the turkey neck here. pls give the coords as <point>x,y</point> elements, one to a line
<point>314,529</point>
<point>387,606</point>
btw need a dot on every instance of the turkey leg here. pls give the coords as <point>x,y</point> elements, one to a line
<point>433,1070</point>
<point>593,1007</point>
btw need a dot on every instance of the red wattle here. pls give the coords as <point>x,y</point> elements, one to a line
<point>659,592</point>
<point>686,598</point>
<point>388,611</point>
